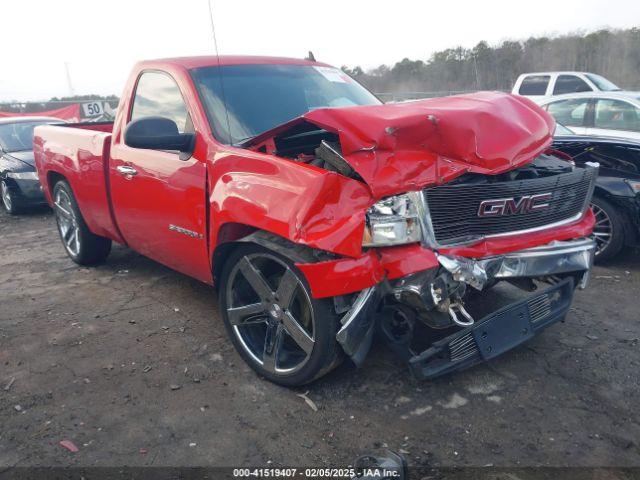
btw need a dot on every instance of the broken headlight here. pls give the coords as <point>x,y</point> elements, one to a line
<point>635,186</point>
<point>392,221</point>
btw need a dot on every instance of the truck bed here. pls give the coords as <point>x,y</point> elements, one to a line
<point>79,153</point>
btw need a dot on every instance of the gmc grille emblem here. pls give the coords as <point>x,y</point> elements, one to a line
<point>513,206</point>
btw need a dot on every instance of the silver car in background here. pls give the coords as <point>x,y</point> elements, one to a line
<point>610,114</point>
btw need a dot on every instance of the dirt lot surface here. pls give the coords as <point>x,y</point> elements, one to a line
<point>130,362</point>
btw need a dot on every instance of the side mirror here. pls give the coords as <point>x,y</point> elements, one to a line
<point>158,133</point>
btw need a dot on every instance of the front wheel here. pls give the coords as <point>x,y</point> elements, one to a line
<point>608,231</point>
<point>82,245</point>
<point>278,328</point>
<point>10,201</point>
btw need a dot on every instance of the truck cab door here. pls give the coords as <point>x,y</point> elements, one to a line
<point>158,198</point>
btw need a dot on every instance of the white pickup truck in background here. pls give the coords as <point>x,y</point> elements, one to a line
<point>541,85</point>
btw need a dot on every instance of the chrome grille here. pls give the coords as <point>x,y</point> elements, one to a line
<point>462,348</point>
<point>453,209</point>
<point>539,308</point>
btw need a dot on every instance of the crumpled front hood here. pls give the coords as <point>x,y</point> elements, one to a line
<point>406,146</point>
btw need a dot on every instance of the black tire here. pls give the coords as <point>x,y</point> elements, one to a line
<point>325,353</point>
<point>10,199</point>
<point>88,249</point>
<point>609,230</point>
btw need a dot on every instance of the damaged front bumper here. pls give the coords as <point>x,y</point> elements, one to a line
<point>551,259</point>
<point>27,186</point>
<point>493,334</point>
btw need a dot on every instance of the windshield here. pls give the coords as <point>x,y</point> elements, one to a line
<point>16,137</point>
<point>562,130</point>
<point>261,97</point>
<point>602,83</point>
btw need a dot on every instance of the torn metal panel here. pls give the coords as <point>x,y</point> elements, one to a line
<point>356,333</point>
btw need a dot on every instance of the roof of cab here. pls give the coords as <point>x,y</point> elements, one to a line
<point>557,72</point>
<point>212,61</point>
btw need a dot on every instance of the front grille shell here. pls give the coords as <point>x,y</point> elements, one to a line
<point>450,212</point>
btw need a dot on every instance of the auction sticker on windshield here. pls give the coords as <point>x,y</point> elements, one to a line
<point>332,74</point>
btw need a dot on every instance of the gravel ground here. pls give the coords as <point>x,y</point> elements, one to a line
<point>130,362</point>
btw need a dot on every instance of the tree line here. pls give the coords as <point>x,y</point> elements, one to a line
<point>614,54</point>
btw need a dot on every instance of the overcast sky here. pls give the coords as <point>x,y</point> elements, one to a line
<point>100,40</point>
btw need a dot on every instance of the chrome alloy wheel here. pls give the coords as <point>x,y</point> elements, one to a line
<point>603,229</point>
<point>270,313</point>
<point>67,223</point>
<point>6,195</point>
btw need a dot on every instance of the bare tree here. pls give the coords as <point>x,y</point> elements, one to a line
<point>614,54</point>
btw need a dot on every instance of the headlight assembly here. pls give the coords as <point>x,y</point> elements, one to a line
<point>392,221</point>
<point>24,175</point>
<point>635,186</point>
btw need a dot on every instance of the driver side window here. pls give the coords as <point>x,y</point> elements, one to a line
<point>157,95</point>
<point>570,84</point>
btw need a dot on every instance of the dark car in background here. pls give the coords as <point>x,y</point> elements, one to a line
<point>616,199</point>
<point>19,185</point>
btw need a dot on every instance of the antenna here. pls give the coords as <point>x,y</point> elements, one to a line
<point>215,46</point>
<point>311,57</point>
<point>69,84</point>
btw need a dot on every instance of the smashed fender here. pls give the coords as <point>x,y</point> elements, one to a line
<point>306,205</point>
<point>400,147</point>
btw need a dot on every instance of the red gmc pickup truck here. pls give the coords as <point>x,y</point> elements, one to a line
<point>322,215</point>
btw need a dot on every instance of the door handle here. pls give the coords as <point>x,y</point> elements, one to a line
<point>126,170</point>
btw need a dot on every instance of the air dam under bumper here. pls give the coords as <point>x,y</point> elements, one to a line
<point>496,333</point>
<point>557,257</point>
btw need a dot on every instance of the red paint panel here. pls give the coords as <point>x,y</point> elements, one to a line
<point>339,277</point>
<point>407,259</point>
<point>81,156</point>
<point>167,193</point>
<point>512,243</point>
